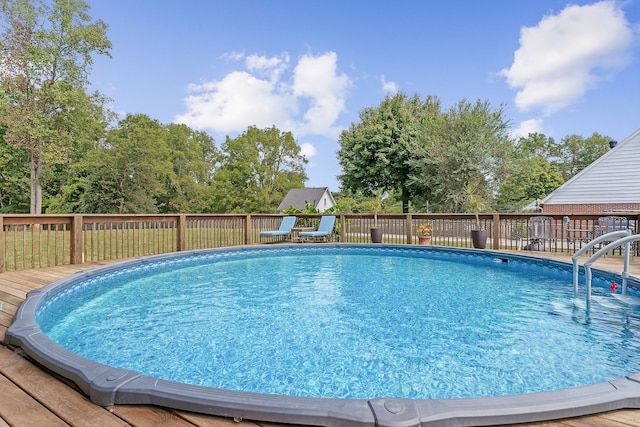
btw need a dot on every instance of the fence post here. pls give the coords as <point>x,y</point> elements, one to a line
<point>409,229</point>
<point>247,230</point>
<point>2,243</point>
<point>342,231</point>
<point>76,240</point>
<point>496,232</point>
<point>181,233</point>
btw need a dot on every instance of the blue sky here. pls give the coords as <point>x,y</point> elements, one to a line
<point>310,66</point>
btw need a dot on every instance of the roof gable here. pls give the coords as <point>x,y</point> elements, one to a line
<point>298,198</point>
<point>612,178</point>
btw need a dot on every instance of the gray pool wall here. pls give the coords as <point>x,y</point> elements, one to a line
<point>110,386</point>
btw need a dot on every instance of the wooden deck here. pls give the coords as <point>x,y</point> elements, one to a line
<point>32,396</point>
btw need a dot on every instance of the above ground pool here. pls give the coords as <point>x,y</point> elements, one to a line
<point>334,334</point>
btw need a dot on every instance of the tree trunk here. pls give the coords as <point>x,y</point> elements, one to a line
<point>36,186</point>
<point>121,201</point>
<point>405,200</point>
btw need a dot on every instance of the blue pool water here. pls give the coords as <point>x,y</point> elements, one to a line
<point>349,323</point>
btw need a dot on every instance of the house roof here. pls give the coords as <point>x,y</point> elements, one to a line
<point>612,178</point>
<point>298,197</point>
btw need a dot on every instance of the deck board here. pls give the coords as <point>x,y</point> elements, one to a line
<point>17,408</point>
<point>60,399</point>
<point>149,416</point>
<point>31,395</point>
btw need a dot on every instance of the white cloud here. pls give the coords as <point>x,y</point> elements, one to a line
<point>273,67</point>
<point>567,54</point>
<point>306,101</point>
<point>317,80</point>
<point>389,87</point>
<point>236,102</point>
<point>233,56</point>
<point>308,150</point>
<point>526,127</point>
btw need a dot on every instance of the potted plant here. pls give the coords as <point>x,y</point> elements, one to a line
<point>477,204</point>
<point>424,233</point>
<point>376,230</point>
<point>478,235</point>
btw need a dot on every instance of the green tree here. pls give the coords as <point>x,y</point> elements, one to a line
<point>85,129</point>
<point>577,153</point>
<point>14,182</point>
<point>375,154</point>
<point>124,174</point>
<point>46,54</point>
<point>538,144</point>
<point>351,202</point>
<point>257,170</point>
<point>194,157</point>
<point>457,155</point>
<point>530,171</point>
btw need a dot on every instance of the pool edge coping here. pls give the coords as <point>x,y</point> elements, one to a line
<point>107,386</point>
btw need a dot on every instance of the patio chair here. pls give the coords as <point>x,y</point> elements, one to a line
<point>324,231</point>
<point>607,224</point>
<point>540,231</point>
<point>288,222</point>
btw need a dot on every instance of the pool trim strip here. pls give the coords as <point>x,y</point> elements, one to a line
<point>108,386</point>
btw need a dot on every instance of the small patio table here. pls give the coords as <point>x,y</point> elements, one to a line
<point>296,230</point>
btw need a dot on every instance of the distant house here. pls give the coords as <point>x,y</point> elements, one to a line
<point>609,184</point>
<point>320,197</point>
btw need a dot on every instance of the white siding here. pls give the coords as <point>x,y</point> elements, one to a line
<point>613,178</point>
<point>326,201</point>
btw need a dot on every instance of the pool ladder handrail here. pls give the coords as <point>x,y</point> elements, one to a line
<point>621,237</point>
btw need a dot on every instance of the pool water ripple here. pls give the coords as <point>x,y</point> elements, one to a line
<point>349,325</point>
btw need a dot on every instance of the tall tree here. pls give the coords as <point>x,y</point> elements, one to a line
<point>530,172</point>
<point>257,170</point>
<point>456,157</point>
<point>194,157</point>
<point>85,128</point>
<point>577,152</point>
<point>126,173</point>
<point>375,154</point>
<point>14,182</point>
<point>45,58</point>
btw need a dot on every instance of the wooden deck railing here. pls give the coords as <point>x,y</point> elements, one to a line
<point>34,241</point>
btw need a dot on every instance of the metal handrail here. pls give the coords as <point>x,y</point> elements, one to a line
<point>605,237</point>
<point>626,241</point>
